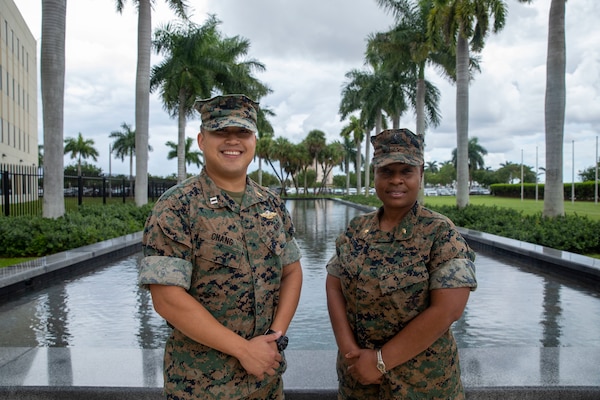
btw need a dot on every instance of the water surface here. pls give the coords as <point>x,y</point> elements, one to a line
<point>512,307</point>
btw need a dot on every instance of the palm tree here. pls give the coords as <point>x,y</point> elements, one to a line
<point>316,143</point>
<point>142,89</point>
<point>464,24</point>
<point>407,46</point>
<point>406,50</point>
<point>52,77</point>
<point>554,113</point>
<point>80,148</point>
<point>331,156</point>
<point>368,93</point>
<point>475,157</point>
<point>355,127</point>
<point>191,156</point>
<point>555,110</point>
<point>265,130</point>
<point>124,146</point>
<point>186,72</point>
<point>431,166</point>
<point>349,150</point>
<point>197,61</point>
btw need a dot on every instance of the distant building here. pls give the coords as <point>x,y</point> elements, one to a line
<point>18,89</point>
<point>18,107</point>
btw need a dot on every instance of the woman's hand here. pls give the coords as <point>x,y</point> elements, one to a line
<point>362,366</point>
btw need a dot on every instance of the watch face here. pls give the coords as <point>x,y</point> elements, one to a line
<point>282,343</point>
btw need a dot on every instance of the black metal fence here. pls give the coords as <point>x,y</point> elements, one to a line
<point>22,190</point>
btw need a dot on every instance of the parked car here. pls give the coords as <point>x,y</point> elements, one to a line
<point>430,192</point>
<point>443,192</point>
<point>479,190</point>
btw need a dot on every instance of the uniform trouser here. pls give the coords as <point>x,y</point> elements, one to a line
<point>269,392</point>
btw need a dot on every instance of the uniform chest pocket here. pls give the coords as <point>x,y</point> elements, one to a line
<point>271,234</point>
<point>220,253</point>
<point>410,276</point>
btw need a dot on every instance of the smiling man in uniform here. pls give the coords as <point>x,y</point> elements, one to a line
<point>223,267</point>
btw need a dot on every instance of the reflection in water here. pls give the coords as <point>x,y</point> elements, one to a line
<point>318,224</point>
<point>512,306</point>
<point>551,317</point>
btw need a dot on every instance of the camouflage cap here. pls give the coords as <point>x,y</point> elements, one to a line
<point>227,110</point>
<point>397,146</point>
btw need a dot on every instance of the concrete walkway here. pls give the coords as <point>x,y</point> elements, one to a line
<point>488,373</point>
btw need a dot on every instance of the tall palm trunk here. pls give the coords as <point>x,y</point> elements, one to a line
<point>555,111</point>
<point>462,121</point>
<point>181,122</point>
<point>142,101</point>
<point>130,172</point>
<point>420,115</point>
<point>347,165</point>
<point>259,171</point>
<point>359,165</point>
<point>368,153</point>
<point>54,15</point>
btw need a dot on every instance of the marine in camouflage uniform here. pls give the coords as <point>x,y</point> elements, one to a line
<point>386,279</point>
<point>229,256</point>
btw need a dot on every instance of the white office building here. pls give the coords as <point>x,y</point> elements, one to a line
<point>18,89</point>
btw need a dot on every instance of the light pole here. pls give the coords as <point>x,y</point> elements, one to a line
<point>536,173</point>
<point>573,172</point>
<point>596,180</point>
<point>521,174</point>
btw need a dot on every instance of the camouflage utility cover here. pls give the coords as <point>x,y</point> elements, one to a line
<point>229,110</point>
<point>386,278</point>
<point>230,258</point>
<point>397,146</point>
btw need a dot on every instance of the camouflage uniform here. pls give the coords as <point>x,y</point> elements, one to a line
<point>230,258</point>
<point>386,278</point>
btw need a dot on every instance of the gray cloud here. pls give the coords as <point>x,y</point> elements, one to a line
<point>307,48</point>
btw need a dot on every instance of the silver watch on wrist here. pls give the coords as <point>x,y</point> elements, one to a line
<point>380,363</point>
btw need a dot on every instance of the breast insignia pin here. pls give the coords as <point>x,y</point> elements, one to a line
<point>268,214</point>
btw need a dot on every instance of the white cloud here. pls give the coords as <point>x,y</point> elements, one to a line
<point>308,47</point>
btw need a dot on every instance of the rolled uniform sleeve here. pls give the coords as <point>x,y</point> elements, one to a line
<point>165,271</point>
<point>452,263</point>
<point>333,266</point>
<point>291,253</point>
<point>166,246</point>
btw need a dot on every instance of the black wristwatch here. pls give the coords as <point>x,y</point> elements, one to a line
<point>282,341</point>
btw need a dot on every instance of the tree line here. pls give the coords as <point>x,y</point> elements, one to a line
<point>199,61</point>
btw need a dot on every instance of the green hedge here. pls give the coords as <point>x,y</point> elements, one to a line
<point>583,190</point>
<point>574,233</point>
<point>28,236</point>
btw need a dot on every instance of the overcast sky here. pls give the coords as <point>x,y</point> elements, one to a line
<point>307,47</point>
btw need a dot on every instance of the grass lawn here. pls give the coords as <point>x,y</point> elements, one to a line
<point>528,207</point>
<point>5,262</point>
<point>589,209</point>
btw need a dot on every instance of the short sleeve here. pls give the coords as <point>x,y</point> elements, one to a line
<point>455,273</point>
<point>333,266</point>
<point>166,246</point>
<point>452,260</point>
<point>165,271</point>
<point>291,253</point>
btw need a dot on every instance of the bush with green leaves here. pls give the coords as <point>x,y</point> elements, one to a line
<point>28,236</point>
<point>574,233</point>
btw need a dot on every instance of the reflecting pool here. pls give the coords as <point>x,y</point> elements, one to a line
<point>513,306</point>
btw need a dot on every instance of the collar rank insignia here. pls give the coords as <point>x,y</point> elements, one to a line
<point>268,214</point>
<point>214,200</point>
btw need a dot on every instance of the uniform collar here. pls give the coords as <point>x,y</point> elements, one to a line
<point>215,197</point>
<point>402,231</point>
